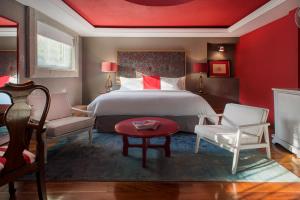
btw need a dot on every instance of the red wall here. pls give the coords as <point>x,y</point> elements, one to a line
<point>268,58</point>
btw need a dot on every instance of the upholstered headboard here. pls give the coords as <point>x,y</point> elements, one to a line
<point>162,63</point>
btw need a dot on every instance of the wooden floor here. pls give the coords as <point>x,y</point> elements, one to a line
<point>169,191</point>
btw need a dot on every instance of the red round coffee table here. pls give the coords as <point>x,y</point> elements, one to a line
<point>166,129</point>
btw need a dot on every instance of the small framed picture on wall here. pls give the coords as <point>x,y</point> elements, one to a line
<point>219,68</point>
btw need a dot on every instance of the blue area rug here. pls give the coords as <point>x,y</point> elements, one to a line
<point>3,131</point>
<point>73,159</point>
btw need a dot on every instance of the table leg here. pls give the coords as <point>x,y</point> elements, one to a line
<point>167,146</point>
<point>145,146</point>
<point>125,145</point>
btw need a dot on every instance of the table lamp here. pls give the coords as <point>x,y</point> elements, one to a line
<point>108,67</point>
<point>200,68</point>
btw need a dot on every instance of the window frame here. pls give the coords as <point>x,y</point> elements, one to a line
<point>57,67</point>
<point>55,71</point>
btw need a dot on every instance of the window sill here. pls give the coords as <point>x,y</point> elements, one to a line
<point>44,73</point>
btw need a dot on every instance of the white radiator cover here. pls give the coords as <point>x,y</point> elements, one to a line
<point>287,119</point>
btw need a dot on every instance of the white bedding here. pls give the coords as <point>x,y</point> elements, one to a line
<point>150,103</point>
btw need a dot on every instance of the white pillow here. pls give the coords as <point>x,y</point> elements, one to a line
<point>172,83</point>
<point>131,83</point>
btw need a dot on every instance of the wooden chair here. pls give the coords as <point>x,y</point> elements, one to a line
<point>17,161</point>
<point>242,127</point>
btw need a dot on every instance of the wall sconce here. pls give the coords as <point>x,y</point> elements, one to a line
<point>221,49</point>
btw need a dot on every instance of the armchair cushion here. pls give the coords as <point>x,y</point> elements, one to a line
<point>242,115</point>
<point>28,157</point>
<point>66,125</point>
<point>59,107</point>
<point>224,134</point>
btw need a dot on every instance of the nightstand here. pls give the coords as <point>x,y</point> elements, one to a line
<point>216,102</point>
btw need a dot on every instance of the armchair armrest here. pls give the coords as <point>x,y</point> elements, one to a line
<point>34,125</point>
<point>208,116</point>
<point>241,127</point>
<point>202,117</point>
<point>84,112</point>
<point>80,110</point>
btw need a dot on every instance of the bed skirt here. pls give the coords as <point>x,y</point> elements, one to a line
<point>107,123</point>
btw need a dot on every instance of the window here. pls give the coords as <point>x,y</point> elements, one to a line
<point>53,54</point>
<point>55,49</point>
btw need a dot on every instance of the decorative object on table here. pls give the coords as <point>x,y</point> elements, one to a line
<point>166,129</point>
<point>109,67</point>
<point>15,159</point>
<point>241,127</point>
<point>219,68</point>
<point>146,124</point>
<point>200,68</point>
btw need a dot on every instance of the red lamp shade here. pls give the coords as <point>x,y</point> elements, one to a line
<point>109,67</point>
<point>200,67</point>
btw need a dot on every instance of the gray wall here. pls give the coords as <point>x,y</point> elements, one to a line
<point>17,12</point>
<point>96,50</point>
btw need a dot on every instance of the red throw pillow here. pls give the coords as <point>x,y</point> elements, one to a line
<point>151,82</point>
<point>3,80</point>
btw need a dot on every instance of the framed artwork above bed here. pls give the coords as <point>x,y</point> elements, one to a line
<point>159,63</point>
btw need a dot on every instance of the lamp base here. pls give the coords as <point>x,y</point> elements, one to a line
<point>108,84</point>
<point>200,91</point>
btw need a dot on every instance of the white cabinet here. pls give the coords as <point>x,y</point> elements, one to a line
<point>287,119</point>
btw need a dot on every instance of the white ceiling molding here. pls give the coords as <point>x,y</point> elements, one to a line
<point>59,11</point>
<point>160,32</point>
<point>8,32</point>
<point>266,14</point>
<point>62,13</point>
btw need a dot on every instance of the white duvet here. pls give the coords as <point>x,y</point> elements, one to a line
<point>150,103</point>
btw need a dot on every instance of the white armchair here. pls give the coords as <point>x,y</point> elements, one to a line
<point>241,127</point>
<point>60,122</point>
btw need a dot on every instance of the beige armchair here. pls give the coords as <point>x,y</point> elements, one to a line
<point>60,122</point>
<point>242,127</point>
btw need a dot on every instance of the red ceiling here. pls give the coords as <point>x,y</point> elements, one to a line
<point>7,23</point>
<point>185,13</point>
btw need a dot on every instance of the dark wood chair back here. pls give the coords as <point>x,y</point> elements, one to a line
<point>20,128</point>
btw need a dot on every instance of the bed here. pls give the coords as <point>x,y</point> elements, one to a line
<point>179,105</point>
